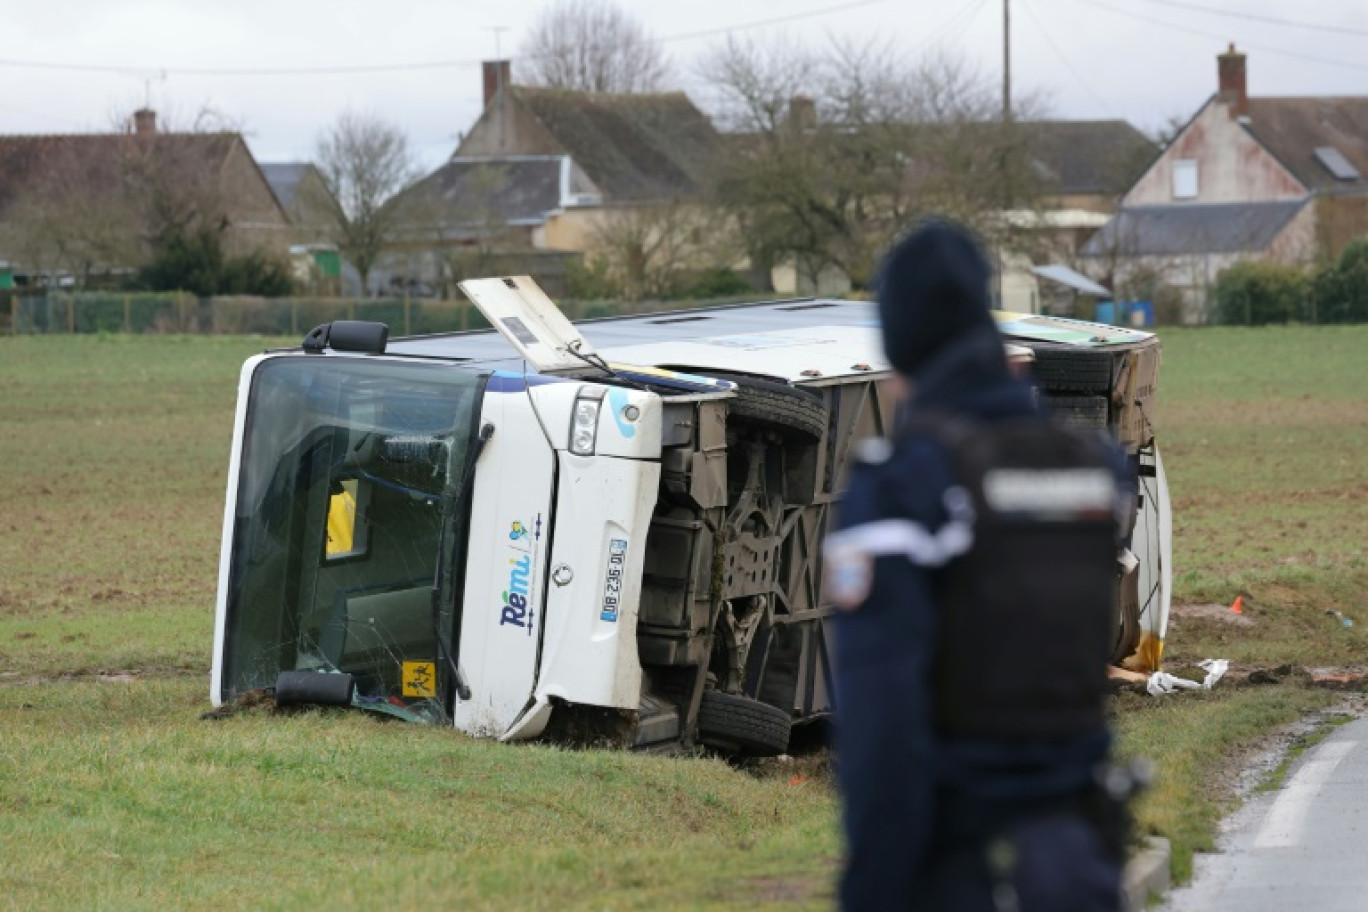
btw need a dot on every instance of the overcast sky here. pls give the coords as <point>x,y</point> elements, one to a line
<point>1143,60</point>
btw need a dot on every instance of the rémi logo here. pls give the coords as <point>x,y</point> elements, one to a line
<point>524,541</point>
<point>515,596</point>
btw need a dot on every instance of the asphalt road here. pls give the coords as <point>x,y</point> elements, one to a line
<point>1299,847</point>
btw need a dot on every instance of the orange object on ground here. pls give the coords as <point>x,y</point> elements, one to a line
<point>1238,605</point>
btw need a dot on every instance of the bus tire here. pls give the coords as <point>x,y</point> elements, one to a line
<point>740,725</point>
<point>1071,370</point>
<point>1077,411</point>
<point>792,412</point>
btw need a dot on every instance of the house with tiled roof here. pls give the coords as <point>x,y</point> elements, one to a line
<point>1278,179</point>
<point>556,171</point>
<point>1085,165</point>
<point>76,207</point>
<point>625,148</point>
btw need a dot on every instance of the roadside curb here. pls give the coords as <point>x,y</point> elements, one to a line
<point>1146,874</point>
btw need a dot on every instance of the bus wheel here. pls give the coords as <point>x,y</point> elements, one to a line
<point>739,725</point>
<point>792,412</point>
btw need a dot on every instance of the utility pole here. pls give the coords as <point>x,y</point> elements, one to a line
<point>1003,163</point>
<point>1006,60</point>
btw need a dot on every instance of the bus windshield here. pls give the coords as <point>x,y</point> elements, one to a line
<point>346,500</point>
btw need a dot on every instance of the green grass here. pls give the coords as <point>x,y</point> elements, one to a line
<point>115,455</point>
<point>113,795</point>
<point>1265,438</point>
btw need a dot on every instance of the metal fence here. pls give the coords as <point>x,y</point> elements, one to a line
<point>179,312</point>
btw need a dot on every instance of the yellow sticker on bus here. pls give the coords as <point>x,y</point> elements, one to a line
<point>420,679</point>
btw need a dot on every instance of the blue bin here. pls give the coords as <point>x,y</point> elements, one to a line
<point>1105,312</point>
<point>1142,313</point>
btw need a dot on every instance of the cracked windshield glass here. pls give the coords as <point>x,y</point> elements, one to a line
<point>350,511</point>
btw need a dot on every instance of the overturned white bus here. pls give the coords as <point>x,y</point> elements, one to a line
<point>607,530</point>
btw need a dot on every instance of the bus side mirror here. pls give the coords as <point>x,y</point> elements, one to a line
<point>348,335</point>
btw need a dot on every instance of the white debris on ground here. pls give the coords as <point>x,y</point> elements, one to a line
<point>1215,669</point>
<point>1161,682</point>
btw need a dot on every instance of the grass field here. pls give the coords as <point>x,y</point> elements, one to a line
<point>1265,437</point>
<point>114,795</point>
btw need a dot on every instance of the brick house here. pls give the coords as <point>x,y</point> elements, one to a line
<point>1278,179</point>
<point>82,208</point>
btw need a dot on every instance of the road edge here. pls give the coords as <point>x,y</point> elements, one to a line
<point>1146,874</point>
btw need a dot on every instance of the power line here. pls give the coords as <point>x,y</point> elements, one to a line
<point>959,31</point>
<point>1040,27</point>
<point>65,122</point>
<point>953,27</point>
<point>1256,17</point>
<point>353,69</point>
<point>1267,49</point>
<point>774,20</point>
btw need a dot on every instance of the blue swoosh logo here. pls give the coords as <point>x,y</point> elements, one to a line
<point>617,401</point>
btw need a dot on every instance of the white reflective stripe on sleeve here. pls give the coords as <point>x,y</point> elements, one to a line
<point>891,537</point>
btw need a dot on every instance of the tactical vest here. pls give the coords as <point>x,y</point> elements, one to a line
<point>1026,617</point>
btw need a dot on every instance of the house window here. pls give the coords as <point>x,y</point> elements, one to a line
<point>1185,179</point>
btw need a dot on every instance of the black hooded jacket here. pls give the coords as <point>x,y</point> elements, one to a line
<point>904,782</point>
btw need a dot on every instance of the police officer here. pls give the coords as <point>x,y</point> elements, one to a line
<point>974,559</point>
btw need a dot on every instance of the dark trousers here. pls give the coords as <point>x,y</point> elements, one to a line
<point>1048,863</point>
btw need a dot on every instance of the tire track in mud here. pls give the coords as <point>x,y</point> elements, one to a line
<point>122,676</point>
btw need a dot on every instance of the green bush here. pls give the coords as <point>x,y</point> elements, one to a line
<point>718,282</point>
<point>1340,290</point>
<point>256,274</point>
<point>590,281</point>
<point>1257,293</point>
<point>196,263</point>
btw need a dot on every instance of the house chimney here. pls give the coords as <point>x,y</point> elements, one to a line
<point>802,113</point>
<point>144,122</point>
<point>496,75</point>
<point>1233,90</point>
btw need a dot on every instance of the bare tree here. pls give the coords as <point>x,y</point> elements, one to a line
<point>593,46</point>
<point>646,247</point>
<point>843,149</point>
<point>756,82</point>
<point>364,160</point>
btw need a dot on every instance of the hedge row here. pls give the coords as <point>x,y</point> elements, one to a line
<point>1256,294</point>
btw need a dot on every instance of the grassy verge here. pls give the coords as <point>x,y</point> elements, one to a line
<point>115,796</point>
<point>1192,738</point>
<point>1300,745</point>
